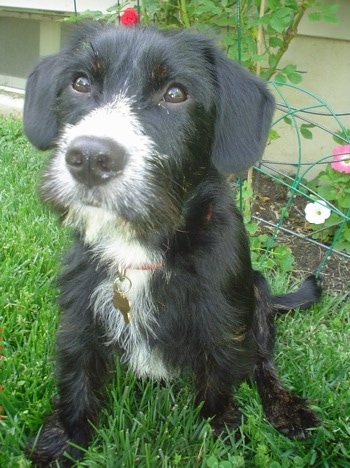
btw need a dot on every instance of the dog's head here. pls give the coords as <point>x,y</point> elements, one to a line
<point>138,117</point>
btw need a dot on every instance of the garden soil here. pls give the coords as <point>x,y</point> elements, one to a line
<point>269,200</point>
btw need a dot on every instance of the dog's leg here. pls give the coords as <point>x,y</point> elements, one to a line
<point>214,391</point>
<point>82,366</point>
<point>226,362</point>
<point>287,412</point>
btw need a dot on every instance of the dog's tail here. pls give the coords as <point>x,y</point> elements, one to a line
<point>308,294</point>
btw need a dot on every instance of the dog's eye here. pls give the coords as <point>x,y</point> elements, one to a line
<point>81,84</point>
<point>175,94</point>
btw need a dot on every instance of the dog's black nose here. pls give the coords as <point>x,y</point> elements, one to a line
<point>94,161</point>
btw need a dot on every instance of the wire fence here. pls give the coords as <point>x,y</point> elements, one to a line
<point>299,184</point>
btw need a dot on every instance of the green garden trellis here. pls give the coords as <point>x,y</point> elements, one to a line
<point>295,184</point>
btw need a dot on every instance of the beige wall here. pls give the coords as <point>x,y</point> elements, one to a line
<point>321,52</point>
<point>325,64</point>
<point>340,30</point>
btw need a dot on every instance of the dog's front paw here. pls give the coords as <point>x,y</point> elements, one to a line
<point>50,446</point>
<point>230,420</point>
<point>293,419</point>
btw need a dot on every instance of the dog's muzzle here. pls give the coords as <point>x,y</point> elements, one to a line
<point>94,161</point>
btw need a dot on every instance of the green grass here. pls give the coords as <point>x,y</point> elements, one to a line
<point>147,425</point>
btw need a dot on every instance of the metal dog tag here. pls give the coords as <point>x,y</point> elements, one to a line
<point>121,286</point>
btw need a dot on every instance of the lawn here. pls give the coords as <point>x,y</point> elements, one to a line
<point>147,425</point>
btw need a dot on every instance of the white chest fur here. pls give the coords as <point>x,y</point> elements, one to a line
<point>132,337</point>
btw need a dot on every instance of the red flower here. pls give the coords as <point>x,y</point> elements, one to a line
<point>130,17</point>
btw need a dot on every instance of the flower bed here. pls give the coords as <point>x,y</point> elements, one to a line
<point>312,216</point>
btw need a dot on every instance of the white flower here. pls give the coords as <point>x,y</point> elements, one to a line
<point>317,212</point>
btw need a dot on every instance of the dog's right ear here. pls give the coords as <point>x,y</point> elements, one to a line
<point>39,116</point>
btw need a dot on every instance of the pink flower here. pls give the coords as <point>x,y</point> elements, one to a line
<point>130,17</point>
<point>341,159</point>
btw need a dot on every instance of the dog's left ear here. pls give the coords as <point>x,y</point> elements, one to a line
<point>244,112</point>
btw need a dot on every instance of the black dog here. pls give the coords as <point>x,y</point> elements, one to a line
<point>145,125</point>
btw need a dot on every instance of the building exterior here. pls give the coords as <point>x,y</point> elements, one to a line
<point>30,29</point>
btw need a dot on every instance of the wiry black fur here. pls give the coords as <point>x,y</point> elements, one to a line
<point>214,314</point>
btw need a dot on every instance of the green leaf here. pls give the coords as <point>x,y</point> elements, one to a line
<point>306,133</point>
<point>286,264</point>
<point>330,13</point>
<point>272,60</point>
<point>331,19</point>
<point>277,25</point>
<point>330,9</point>
<point>273,134</point>
<point>334,219</point>
<point>212,462</point>
<point>225,464</point>
<point>344,201</point>
<point>280,19</point>
<point>346,233</point>
<point>291,68</point>
<point>114,7</point>
<point>280,78</point>
<point>327,192</point>
<point>294,78</point>
<point>315,16</point>
<point>308,125</point>
<point>342,245</point>
<point>251,228</point>
<point>274,4</point>
<point>342,137</point>
<point>275,41</point>
<point>275,464</point>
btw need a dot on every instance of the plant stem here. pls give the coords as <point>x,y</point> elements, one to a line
<point>144,12</point>
<point>184,14</point>
<point>259,40</point>
<point>289,34</point>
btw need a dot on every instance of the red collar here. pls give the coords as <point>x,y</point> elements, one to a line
<point>145,267</point>
<point>141,267</point>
